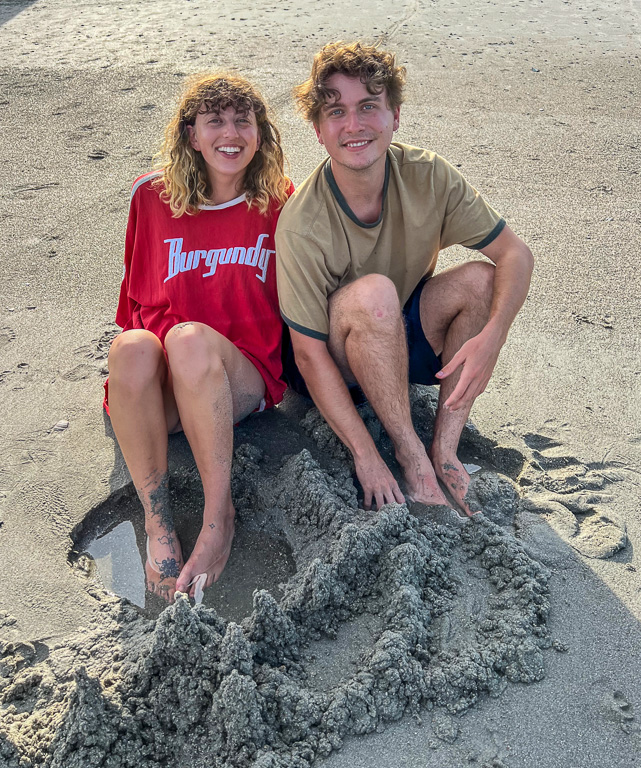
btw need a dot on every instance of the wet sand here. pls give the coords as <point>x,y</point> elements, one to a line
<point>511,642</point>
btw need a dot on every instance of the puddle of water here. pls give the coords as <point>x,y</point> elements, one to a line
<point>114,538</point>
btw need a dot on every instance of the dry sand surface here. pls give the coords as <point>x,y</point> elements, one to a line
<point>400,640</point>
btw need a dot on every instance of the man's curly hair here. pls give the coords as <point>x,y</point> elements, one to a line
<point>376,69</point>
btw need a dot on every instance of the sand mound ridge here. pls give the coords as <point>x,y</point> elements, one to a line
<point>453,612</point>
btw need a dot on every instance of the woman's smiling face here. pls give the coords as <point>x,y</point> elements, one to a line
<point>227,140</point>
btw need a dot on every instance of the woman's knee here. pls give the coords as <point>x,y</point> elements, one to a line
<point>193,353</point>
<point>136,359</point>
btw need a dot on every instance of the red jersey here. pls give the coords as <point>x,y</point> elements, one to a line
<point>216,268</point>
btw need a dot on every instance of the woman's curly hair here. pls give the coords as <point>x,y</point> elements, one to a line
<point>376,69</point>
<point>184,174</point>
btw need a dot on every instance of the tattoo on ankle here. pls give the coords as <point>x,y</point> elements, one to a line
<point>212,526</point>
<point>156,500</point>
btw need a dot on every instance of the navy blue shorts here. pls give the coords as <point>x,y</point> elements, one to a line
<point>424,363</point>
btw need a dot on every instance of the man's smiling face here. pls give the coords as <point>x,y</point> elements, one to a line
<point>356,126</point>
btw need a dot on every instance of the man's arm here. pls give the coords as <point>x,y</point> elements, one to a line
<point>332,398</point>
<point>514,263</point>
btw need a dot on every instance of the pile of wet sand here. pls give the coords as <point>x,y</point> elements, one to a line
<point>452,612</point>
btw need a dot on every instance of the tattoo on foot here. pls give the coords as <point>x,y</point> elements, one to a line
<point>212,526</point>
<point>169,569</point>
<point>168,541</point>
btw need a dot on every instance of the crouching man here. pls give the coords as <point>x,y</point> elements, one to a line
<point>356,247</point>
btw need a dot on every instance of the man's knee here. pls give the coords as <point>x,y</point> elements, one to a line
<point>136,359</point>
<point>480,278</point>
<point>371,300</point>
<point>193,354</point>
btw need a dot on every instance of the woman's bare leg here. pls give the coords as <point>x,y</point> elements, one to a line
<point>215,386</point>
<point>143,411</point>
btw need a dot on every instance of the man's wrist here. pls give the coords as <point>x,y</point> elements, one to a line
<point>498,328</point>
<point>364,450</point>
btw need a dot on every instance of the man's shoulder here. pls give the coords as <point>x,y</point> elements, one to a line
<point>410,159</point>
<point>308,203</point>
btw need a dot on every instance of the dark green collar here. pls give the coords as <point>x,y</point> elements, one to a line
<point>343,203</point>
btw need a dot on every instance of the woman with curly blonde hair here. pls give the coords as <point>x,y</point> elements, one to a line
<point>201,342</point>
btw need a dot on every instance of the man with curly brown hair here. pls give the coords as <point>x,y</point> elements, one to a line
<point>357,245</point>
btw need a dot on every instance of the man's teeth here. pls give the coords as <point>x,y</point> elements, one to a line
<point>229,149</point>
<point>357,143</point>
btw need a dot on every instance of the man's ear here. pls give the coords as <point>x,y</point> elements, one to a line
<point>191,132</point>
<point>318,133</point>
<point>397,117</point>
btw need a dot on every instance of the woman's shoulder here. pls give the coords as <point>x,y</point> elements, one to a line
<point>145,182</point>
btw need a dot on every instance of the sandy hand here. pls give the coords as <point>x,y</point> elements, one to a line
<point>210,554</point>
<point>164,563</point>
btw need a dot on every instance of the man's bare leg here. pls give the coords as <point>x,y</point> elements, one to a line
<point>368,343</point>
<point>215,385</point>
<point>143,410</point>
<point>455,307</point>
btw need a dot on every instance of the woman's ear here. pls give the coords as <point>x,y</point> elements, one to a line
<point>191,132</point>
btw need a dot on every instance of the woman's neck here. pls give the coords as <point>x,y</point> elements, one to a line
<point>224,189</point>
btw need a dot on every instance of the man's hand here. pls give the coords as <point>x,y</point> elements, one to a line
<point>379,485</point>
<point>477,357</point>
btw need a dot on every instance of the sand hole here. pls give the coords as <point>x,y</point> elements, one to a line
<point>332,661</point>
<point>109,549</point>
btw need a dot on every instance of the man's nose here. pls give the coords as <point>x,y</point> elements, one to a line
<point>353,121</point>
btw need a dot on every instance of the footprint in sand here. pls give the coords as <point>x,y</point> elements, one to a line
<point>7,335</point>
<point>618,710</point>
<point>98,349</point>
<point>572,496</point>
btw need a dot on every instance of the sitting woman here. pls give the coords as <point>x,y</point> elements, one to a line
<point>201,342</point>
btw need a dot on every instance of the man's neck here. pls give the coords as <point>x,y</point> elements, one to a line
<point>362,189</point>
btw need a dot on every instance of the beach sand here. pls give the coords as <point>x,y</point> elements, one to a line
<point>401,640</point>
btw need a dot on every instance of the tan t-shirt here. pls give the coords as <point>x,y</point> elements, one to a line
<point>321,245</point>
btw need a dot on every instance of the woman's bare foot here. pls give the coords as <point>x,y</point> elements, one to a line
<point>164,561</point>
<point>211,552</point>
<point>421,483</point>
<point>457,481</point>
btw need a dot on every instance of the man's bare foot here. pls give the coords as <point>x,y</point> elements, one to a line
<point>211,552</point>
<point>420,479</point>
<point>454,476</point>
<point>164,562</point>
